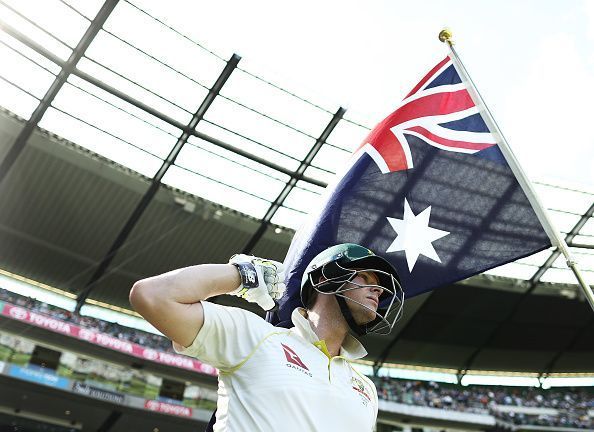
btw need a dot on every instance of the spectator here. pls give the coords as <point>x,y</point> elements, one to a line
<point>571,403</point>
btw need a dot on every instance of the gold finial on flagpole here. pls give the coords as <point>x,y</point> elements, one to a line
<point>446,36</point>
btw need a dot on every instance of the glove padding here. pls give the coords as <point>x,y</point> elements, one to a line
<point>261,280</point>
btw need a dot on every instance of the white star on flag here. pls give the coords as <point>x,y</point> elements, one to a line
<point>414,235</point>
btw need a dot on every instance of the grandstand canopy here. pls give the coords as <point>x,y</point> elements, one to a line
<point>129,149</point>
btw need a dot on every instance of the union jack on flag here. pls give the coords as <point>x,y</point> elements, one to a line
<point>429,190</point>
<point>440,111</point>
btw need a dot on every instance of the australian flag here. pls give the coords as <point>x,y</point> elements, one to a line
<point>429,190</point>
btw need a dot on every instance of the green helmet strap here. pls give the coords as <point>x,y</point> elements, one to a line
<point>359,330</point>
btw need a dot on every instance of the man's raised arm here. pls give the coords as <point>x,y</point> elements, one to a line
<point>171,301</point>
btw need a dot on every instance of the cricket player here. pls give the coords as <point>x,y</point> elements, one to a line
<point>271,378</point>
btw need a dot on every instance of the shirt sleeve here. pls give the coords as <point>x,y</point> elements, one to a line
<point>227,337</point>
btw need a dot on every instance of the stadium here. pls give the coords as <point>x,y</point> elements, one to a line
<point>122,159</point>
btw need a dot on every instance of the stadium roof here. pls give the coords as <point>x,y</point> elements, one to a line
<point>156,153</point>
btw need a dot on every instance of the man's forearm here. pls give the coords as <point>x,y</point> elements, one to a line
<point>187,285</point>
<point>191,284</point>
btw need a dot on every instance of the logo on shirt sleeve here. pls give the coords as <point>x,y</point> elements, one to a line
<point>360,387</point>
<point>294,359</point>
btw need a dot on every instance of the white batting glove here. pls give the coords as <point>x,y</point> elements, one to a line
<point>261,280</point>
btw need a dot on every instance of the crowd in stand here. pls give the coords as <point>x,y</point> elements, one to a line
<point>121,332</point>
<point>572,405</point>
<point>571,419</point>
<point>478,398</point>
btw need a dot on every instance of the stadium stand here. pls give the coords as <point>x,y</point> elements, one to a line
<point>511,407</point>
<point>562,407</point>
<point>121,332</point>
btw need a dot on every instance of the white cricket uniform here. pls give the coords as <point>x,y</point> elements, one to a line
<point>276,379</point>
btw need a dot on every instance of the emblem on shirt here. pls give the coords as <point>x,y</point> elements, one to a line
<point>359,386</point>
<point>294,362</point>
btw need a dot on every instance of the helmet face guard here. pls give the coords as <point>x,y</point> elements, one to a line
<point>336,276</point>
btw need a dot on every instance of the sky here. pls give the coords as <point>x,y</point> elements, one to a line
<point>533,61</point>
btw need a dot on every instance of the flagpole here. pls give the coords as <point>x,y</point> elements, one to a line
<point>556,239</point>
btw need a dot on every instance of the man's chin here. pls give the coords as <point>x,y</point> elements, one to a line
<point>368,318</point>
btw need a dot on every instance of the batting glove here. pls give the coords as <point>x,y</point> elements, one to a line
<point>261,280</point>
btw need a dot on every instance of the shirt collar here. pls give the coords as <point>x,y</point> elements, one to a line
<point>351,348</point>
